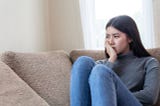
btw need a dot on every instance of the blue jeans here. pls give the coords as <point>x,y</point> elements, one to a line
<point>98,85</point>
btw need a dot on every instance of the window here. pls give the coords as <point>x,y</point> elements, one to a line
<point>96,13</point>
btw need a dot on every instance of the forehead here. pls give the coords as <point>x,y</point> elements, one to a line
<point>111,30</point>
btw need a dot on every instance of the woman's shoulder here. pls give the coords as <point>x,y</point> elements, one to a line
<point>148,58</point>
<point>151,61</point>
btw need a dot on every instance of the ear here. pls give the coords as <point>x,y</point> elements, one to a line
<point>129,40</point>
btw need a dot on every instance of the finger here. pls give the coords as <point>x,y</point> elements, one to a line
<point>106,43</point>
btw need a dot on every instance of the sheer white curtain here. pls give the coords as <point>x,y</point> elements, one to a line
<point>148,38</point>
<point>156,9</point>
<point>87,10</point>
<point>88,19</point>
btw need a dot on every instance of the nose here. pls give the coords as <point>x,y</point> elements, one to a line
<point>111,41</point>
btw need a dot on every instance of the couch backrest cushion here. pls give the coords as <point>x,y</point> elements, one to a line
<point>47,73</point>
<point>15,92</point>
<point>155,52</point>
<point>99,54</point>
<point>95,54</point>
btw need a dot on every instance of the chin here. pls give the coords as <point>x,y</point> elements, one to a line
<point>119,54</point>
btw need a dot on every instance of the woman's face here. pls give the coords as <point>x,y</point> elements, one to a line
<point>118,40</point>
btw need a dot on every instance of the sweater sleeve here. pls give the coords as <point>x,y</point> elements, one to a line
<point>150,92</point>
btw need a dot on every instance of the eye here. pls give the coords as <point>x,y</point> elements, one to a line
<point>107,36</point>
<point>116,36</point>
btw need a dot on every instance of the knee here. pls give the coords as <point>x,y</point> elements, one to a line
<point>83,64</point>
<point>99,72</point>
<point>84,61</point>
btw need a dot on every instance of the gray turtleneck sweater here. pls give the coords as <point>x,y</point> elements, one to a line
<point>140,75</point>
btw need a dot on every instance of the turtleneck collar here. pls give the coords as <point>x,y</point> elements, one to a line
<point>126,55</point>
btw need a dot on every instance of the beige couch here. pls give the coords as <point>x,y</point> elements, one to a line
<point>41,79</point>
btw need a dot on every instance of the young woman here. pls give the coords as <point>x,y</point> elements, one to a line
<point>129,76</point>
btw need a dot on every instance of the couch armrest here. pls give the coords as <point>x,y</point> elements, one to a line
<point>15,92</point>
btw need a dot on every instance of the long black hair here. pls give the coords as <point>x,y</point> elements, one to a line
<point>128,26</point>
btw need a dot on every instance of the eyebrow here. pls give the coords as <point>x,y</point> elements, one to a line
<point>114,34</point>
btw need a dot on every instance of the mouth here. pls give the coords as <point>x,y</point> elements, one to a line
<point>114,49</point>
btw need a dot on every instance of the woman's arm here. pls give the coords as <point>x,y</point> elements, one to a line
<point>151,88</point>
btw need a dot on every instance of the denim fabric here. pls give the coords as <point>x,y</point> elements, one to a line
<point>97,85</point>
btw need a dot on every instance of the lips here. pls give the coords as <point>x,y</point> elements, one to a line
<point>114,48</point>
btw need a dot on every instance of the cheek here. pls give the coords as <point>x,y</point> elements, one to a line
<point>122,41</point>
<point>120,44</point>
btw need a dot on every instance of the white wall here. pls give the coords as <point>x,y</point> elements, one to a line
<point>66,31</point>
<point>40,25</point>
<point>23,25</point>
